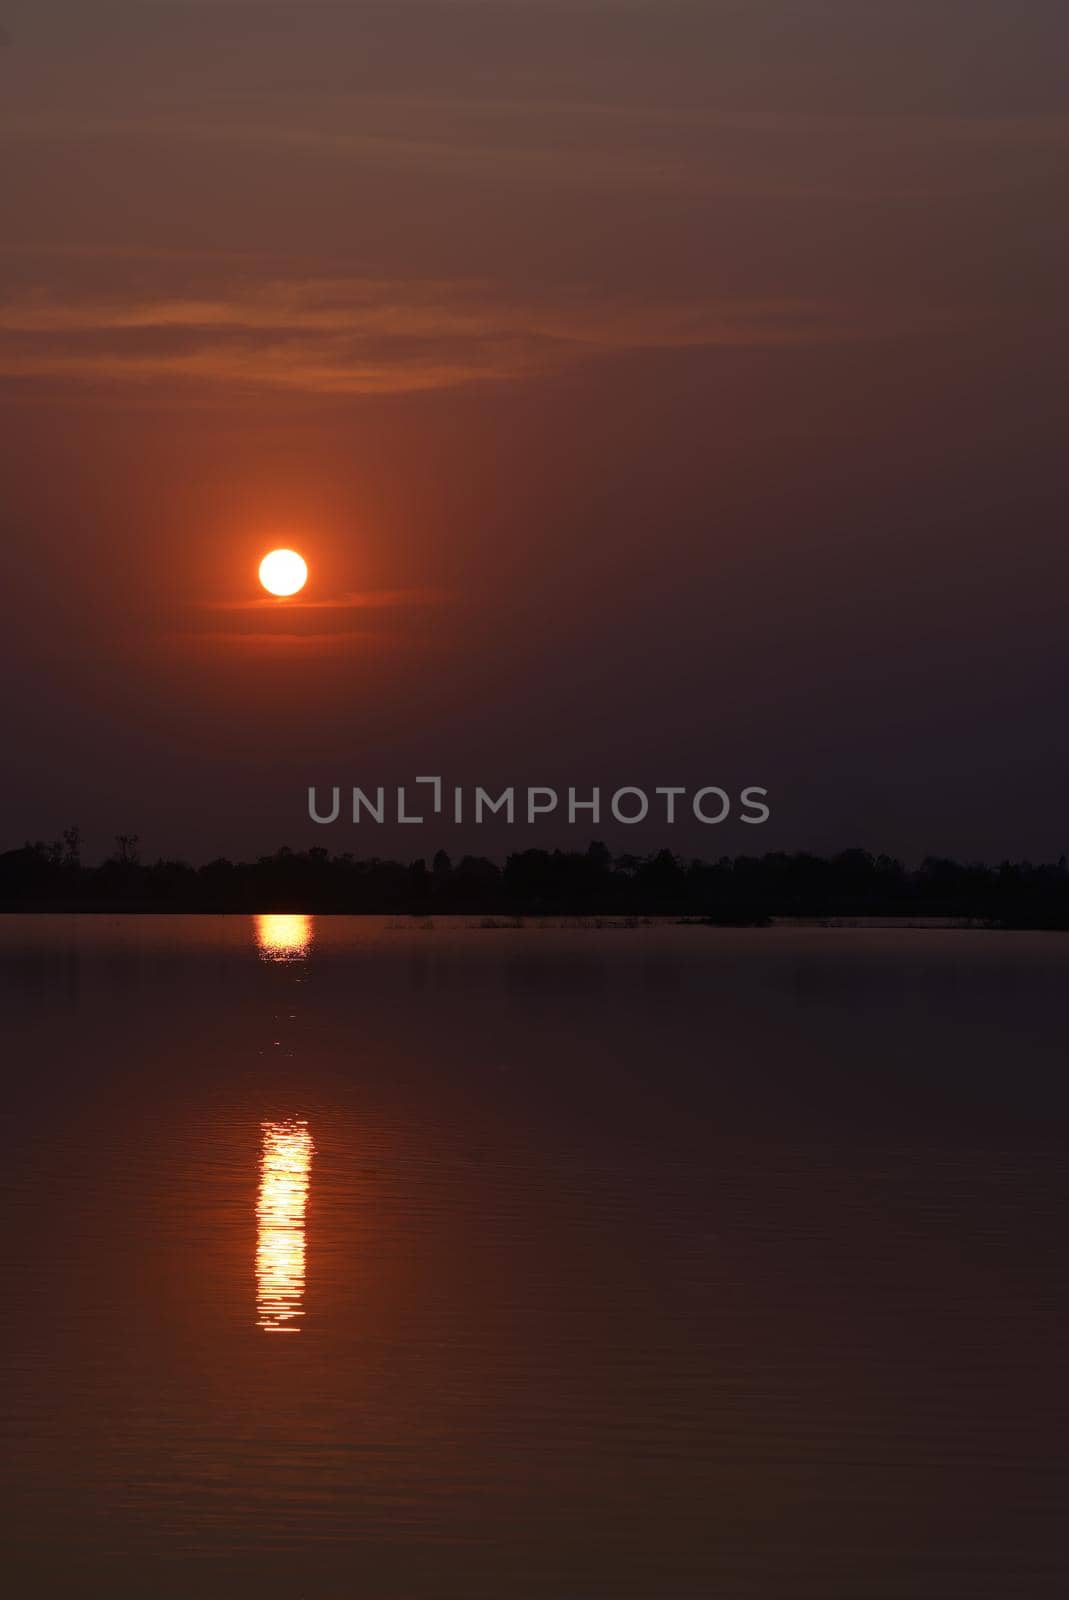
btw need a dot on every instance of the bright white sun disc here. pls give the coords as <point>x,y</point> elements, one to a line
<point>283,572</point>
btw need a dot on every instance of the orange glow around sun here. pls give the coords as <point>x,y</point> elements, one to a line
<point>283,573</point>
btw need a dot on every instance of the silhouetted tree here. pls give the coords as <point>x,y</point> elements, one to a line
<point>126,851</point>
<point>739,889</point>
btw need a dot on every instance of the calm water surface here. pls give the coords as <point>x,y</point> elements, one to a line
<point>348,1260</point>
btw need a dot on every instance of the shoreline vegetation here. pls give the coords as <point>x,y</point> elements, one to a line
<point>850,888</point>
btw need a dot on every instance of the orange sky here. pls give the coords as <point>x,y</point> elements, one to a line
<point>658,392</point>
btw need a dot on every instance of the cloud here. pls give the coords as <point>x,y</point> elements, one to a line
<point>336,623</point>
<point>361,336</point>
<point>289,647</point>
<point>376,599</point>
<point>693,151</point>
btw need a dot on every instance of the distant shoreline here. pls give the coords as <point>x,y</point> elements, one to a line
<point>586,920</point>
<point>852,888</point>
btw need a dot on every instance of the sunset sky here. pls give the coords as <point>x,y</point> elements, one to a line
<point>659,394</point>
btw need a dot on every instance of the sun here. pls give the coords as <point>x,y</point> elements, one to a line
<point>283,572</point>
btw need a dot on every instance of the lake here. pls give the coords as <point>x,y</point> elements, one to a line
<point>349,1259</point>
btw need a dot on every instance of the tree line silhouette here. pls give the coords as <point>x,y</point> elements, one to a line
<point>738,890</point>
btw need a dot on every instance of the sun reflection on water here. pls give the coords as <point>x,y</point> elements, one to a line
<point>285,1163</point>
<point>283,935</point>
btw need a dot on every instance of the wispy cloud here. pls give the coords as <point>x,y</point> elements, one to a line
<point>694,151</point>
<point>287,646</point>
<point>372,599</point>
<point>374,337</point>
<point>330,624</point>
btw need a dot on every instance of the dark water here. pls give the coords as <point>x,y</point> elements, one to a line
<point>471,1264</point>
